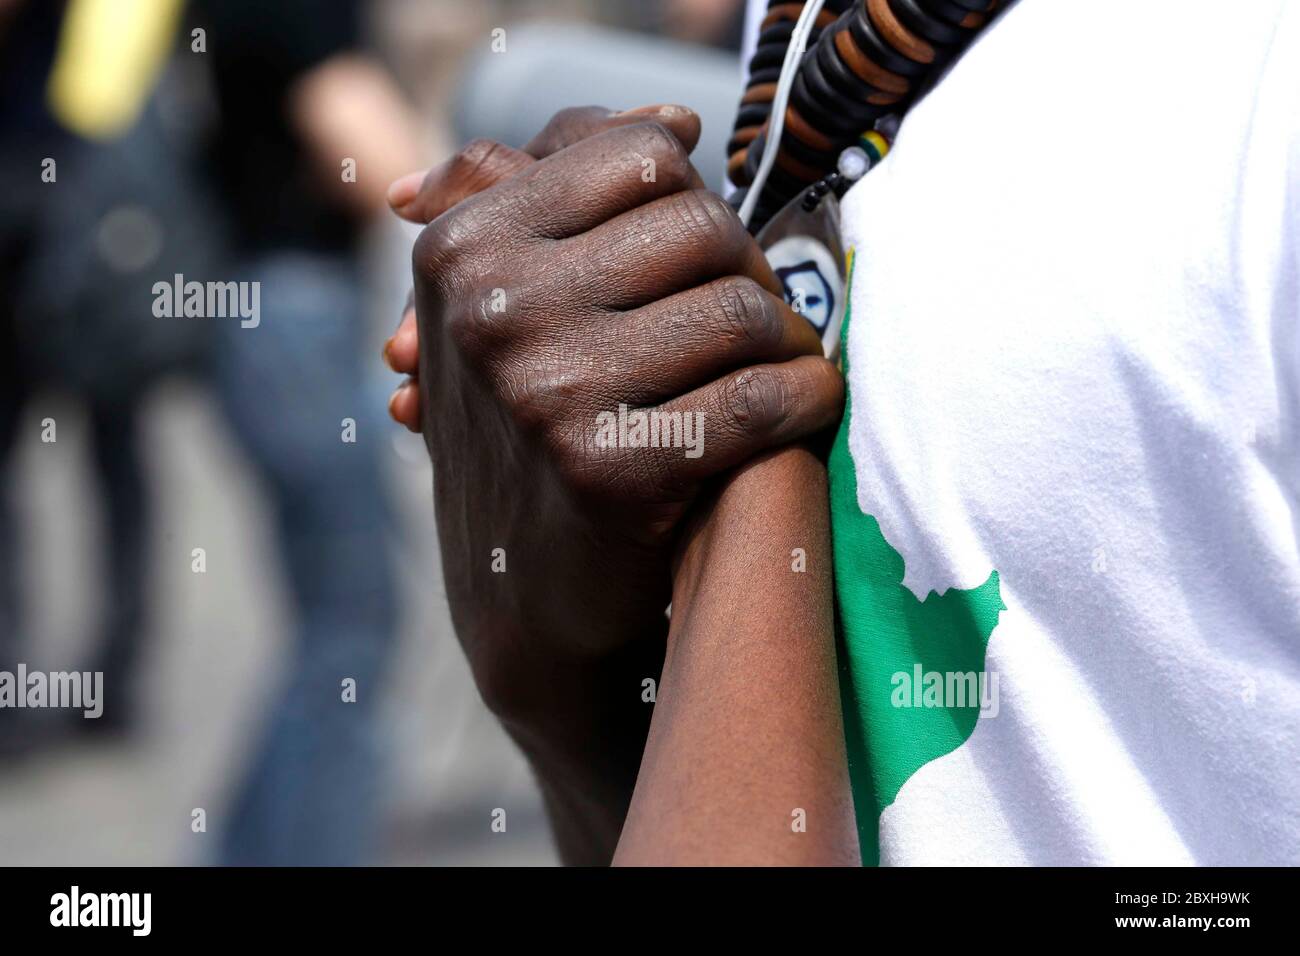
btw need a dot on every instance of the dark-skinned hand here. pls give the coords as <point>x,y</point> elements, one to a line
<point>549,291</point>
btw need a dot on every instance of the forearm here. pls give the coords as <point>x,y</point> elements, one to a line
<point>349,107</point>
<point>745,760</point>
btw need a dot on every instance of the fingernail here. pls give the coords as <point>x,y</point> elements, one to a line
<point>392,400</point>
<point>387,353</point>
<point>403,190</point>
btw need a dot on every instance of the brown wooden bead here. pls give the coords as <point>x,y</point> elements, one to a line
<point>866,69</point>
<point>896,35</point>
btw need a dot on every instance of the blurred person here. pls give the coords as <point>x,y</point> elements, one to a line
<point>310,130</point>
<point>713,22</point>
<point>297,109</point>
<point>106,183</point>
<point>28,133</point>
<point>1085,349</point>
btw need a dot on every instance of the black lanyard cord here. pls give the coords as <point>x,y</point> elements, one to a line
<point>865,59</point>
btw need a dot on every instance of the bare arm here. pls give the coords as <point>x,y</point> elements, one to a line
<point>350,107</point>
<point>747,737</point>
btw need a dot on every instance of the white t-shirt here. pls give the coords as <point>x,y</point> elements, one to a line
<point>1071,460</point>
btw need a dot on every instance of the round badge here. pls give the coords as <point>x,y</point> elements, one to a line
<point>811,280</point>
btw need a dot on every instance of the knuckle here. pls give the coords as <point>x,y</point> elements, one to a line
<point>757,397</point>
<point>464,334</point>
<point>543,402</point>
<point>672,162</point>
<point>437,250</point>
<point>473,332</point>
<point>707,217</point>
<point>747,312</point>
<point>454,275</point>
<point>439,287</point>
<point>571,117</point>
<point>531,415</point>
<point>587,471</point>
<point>566,117</point>
<point>471,157</point>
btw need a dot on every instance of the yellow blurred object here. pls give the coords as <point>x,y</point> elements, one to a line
<point>109,57</point>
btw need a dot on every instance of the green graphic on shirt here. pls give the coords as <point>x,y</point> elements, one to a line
<point>883,631</point>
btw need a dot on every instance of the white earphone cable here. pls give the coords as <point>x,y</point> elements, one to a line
<point>776,120</point>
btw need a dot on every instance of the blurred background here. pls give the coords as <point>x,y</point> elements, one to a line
<point>219,516</point>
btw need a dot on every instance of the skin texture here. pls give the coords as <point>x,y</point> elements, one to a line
<point>421,197</point>
<point>548,291</point>
<point>747,730</point>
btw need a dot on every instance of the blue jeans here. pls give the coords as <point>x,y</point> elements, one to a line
<point>312,793</point>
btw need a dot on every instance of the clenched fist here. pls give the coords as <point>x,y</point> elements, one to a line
<point>553,296</point>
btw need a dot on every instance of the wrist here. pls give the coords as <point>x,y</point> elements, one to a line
<point>773,506</point>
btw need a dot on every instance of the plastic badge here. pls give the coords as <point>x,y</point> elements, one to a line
<point>803,247</point>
